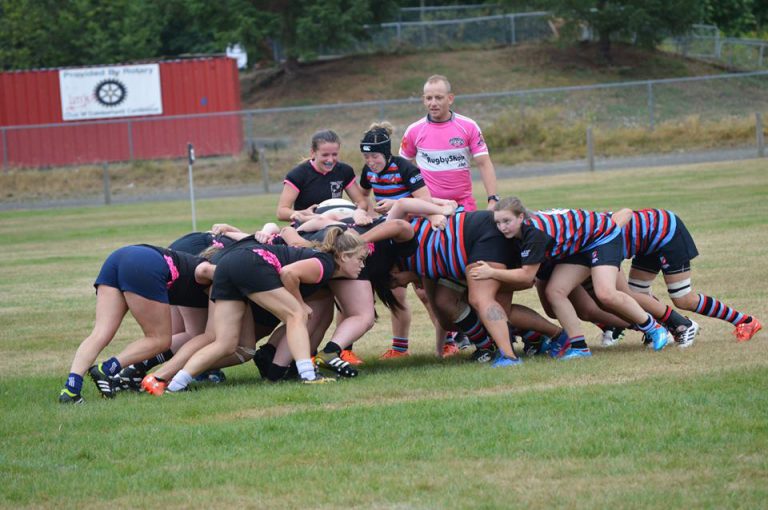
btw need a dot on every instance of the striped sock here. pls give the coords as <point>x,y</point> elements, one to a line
<point>74,383</point>
<point>577,342</point>
<point>648,325</point>
<point>155,360</point>
<point>475,331</point>
<point>399,344</point>
<point>712,307</point>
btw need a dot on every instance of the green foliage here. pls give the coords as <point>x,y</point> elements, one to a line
<point>645,22</point>
<point>734,17</point>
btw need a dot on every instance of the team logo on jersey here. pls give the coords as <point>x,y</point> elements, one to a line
<point>481,141</point>
<point>416,178</point>
<point>664,263</point>
<point>525,253</point>
<point>336,189</point>
<point>594,257</point>
<point>456,142</point>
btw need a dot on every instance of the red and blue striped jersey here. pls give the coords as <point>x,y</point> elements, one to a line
<point>441,253</point>
<point>648,231</point>
<point>399,180</point>
<point>574,230</point>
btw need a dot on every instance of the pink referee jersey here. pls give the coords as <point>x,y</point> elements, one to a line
<point>443,151</point>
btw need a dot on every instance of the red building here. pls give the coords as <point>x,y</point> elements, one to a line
<point>52,117</point>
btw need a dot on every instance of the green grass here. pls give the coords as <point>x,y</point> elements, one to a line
<point>626,429</point>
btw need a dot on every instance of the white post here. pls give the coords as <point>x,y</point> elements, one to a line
<point>107,190</point>
<point>264,168</point>
<point>590,150</point>
<point>191,161</point>
<point>759,133</point>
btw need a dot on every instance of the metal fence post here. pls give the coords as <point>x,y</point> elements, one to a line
<point>5,150</point>
<point>513,34</point>
<point>590,150</point>
<point>264,168</point>
<point>399,34</point>
<point>381,111</point>
<point>760,134</point>
<point>651,108</point>
<point>248,130</point>
<point>760,56</point>
<point>130,141</point>
<point>107,189</point>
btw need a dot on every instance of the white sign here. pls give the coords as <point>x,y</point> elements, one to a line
<point>106,92</point>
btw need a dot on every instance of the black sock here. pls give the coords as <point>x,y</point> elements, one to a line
<point>152,362</point>
<point>332,348</point>
<point>673,320</point>
<point>276,372</point>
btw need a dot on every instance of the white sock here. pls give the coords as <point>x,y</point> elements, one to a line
<point>306,369</point>
<point>180,381</point>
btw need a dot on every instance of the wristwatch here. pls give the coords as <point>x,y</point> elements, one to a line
<point>495,198</point>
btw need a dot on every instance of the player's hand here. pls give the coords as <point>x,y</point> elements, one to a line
<point>222,228</point>
<point>262,237</point>
<point>384,205</point>
<point>361,217</point>
<point>438,221</point>
<point>481,271</point>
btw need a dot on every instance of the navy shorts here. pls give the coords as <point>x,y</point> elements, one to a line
<point>672,258</point>
<point>138,269</point>
<point>608,254</point>
<point>242,272</point>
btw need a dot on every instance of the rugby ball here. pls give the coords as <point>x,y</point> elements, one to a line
<point>337,206</point>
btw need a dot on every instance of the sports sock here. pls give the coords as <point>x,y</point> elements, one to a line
<point>712,307</point>
<point>473,327</point>
<point>152,362</point>
<point>648,325</point>
<point>332,348</point>
<point>673,320</point>
<point>74,383</point>
<point>276,372</point>
<point>450,337</point>
<point>577,342</point>
<point>181,380</point>
<point>110,367</point>
<point>306,369</point>
<point>399,344</point>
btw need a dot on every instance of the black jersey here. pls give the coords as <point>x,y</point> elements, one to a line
<point>398,180</point>
<point>196,242</point>
<point>314,187</point>
<point>183,289</point>
<point>535,245</point>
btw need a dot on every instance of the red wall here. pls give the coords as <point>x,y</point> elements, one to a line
<point>197,86</point>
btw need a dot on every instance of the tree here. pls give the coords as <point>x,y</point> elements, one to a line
<point>734,17</point>
<point>647,22</point>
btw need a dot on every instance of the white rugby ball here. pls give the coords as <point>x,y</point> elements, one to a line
<point>337,206</point>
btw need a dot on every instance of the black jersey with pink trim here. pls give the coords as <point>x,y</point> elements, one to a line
<point>314,186</point>
<point>183,289</point>
<point>574,230</point>
<point>648,231</point>
<point>399,180</point>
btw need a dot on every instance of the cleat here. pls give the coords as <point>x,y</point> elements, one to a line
<point>262,359</point>
<point>153,385</point>
<point>537,348</point>
<point>332,361</point>
<point>611,336</point>
<point>319,379</point>
<point>214,376</point>
<point>392,353</point>
<point>351,358</point>
<point>659,337</point>
<point>573,353</point>
<point>462,342</point>
<point>559,344</point>
<point>485,355</point>
<point>67,397</point>
<point>746,330</point>
<point>449,350</point>
<point>505,361</point>
<point>685,337</point>
<point>130,377</point>
<point>104,383</point>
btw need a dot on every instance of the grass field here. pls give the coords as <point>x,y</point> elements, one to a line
<point>625,429</point>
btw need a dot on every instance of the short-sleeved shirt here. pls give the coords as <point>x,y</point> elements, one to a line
<point>196,242</point>
<point>314,186</point>
<point>443,151</point>
<point>573,230</point>
<point>399,180</point>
